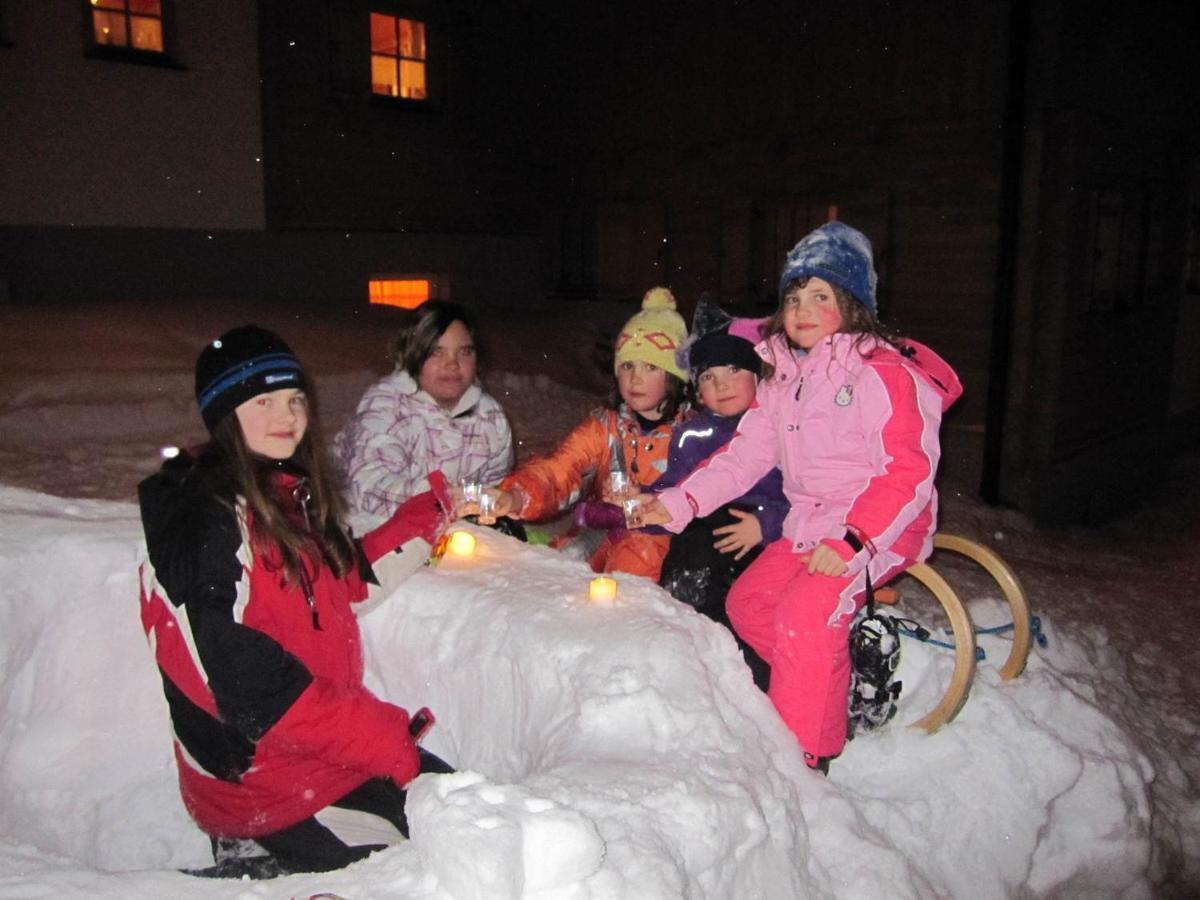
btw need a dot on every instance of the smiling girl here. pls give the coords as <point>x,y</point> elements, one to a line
<point>248,589</point>
<point>850,414</point>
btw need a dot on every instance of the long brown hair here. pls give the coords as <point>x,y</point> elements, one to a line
<point>856,319</point>
<point>272,531</point>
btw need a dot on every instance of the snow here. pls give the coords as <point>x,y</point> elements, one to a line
<point>605,751</point>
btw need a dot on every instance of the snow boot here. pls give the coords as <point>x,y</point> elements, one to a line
<point>874,657</point>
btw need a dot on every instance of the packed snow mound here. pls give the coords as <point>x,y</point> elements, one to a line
<point>605,751</point>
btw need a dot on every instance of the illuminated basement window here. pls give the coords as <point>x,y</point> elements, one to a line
<point>398,57</point>
<point>130,24</point>
<point>405,292</point>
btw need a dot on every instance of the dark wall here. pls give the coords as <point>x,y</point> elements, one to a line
<point>88,141</point>
<point>474,159</point>
<point>1100,391</point>
<point>719,138</point>
<point>67,265</point>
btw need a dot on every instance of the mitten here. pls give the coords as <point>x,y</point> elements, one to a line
<point>423,516</point>
<point>598,514</point>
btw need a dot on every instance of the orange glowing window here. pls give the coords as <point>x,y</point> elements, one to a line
<point>136,24</point>
<point>407,293</point>
<point>398,57</point>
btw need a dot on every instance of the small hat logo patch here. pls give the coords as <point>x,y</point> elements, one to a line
<point>845,395</point>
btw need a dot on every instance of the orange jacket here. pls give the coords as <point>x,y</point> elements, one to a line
<point>606,441</point>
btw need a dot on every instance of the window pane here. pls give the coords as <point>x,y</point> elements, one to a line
<point>109,28</point>
<point>412,79</point>
<point>383,34</point>
<point>383,76</point>
<point>406,293</point>
<point>148,7</point>
<point>412,38</point>
<point>147,33</point>
<point>109,4</point>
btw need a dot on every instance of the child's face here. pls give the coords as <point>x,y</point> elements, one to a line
<point>727,390</point>
<point>643,387</point>
<point>450,368</point>
<point>811,313</point>
<point>274,423</point>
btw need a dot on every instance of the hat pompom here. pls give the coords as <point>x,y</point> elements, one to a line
<point>658,298</point>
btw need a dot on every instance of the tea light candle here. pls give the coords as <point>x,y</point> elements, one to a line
<point>462,543</point>
<point>602,589</point>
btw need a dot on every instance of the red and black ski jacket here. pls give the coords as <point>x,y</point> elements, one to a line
<point>263,678</point>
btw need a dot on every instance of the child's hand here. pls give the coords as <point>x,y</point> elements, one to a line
<point>825,561</point>
<point>653,512</point>
<point>741,537</point>
<point>508,503</point>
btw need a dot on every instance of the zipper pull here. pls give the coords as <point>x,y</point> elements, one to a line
<point>311,601</point>
<point>301,494</point>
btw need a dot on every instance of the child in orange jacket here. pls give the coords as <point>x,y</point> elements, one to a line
<point>627,440</point>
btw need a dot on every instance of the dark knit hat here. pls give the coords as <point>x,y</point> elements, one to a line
<point>840,255</point>
<point>720,348</point>
<point>711,344</point>
<point>240,364</point>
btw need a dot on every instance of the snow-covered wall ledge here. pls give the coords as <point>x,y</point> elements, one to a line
<point>605,751</point>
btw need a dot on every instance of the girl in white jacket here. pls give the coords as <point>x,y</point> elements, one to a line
<point>430,414</point>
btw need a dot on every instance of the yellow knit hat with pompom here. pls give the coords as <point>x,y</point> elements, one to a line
<point>654,334</point>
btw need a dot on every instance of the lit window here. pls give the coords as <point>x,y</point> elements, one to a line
<point>406,292</point>
<point>398,57</point>
<point>132,24</point>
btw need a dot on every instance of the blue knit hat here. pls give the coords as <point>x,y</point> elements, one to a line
<point>839,254</point>
<point>241,364</point>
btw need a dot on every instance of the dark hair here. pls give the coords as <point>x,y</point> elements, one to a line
<point>679,395</point>
<point>416,340</point>
<point>272,532</point>
<point>856,319</point>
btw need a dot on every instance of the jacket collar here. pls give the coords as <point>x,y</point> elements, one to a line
<point>408,386</point>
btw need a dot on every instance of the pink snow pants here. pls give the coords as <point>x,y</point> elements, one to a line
<point>800,624</point>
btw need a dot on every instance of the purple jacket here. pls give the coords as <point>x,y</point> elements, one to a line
<point>694,441</point>
<point>854,428</point>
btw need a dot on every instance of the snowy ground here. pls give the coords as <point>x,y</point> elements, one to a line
<point>604,751</point>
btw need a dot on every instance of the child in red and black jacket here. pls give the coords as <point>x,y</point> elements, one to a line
<point>247,598</point>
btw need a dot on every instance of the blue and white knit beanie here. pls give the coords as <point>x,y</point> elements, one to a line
<point>241,364</point>
<point>840,255</point>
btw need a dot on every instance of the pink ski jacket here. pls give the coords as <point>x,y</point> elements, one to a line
<point>854,429</point>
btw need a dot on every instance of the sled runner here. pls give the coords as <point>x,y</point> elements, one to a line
<point>1023,626</point>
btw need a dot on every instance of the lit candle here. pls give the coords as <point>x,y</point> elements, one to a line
<point>462,543</point>
<point>602,589</point>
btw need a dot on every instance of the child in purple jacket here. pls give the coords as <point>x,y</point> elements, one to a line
<point>713,550</point>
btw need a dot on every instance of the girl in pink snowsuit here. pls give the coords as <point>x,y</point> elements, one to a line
<point>850,414</point>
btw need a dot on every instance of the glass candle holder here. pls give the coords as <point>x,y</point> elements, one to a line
<point>487,508</point>
<point>633,512</point>
<point>618,485</point>
<point>469,493</point>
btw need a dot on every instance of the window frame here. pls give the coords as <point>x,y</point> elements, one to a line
<point>435,52</point>
<point>165,58</point>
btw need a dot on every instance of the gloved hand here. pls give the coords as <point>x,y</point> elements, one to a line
<point>423,516</point>
<point>598,514</point>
